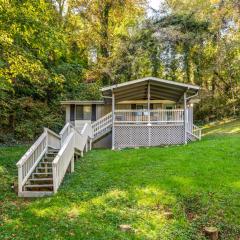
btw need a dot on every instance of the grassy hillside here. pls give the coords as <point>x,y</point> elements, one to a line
<point>198,183</point>
<point>224,127</point>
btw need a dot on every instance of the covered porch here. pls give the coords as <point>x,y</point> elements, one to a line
<point>144,125</point>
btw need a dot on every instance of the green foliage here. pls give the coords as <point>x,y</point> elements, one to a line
<point>52,51</point>
<point>198,183</point>
<point>28,118</point>
<point>44,58</point>
<point>208,40</point>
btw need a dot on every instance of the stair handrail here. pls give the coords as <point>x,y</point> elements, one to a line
<point>65,132</point>
<point>197,131</point>
<point>74,140</point>
<point>34,154</point>
<point>81,138</point>
<point>102,124</point>
<point>49,138</point>
<point>31,158</point>
<point>62,160</point>
<point>54,139</point>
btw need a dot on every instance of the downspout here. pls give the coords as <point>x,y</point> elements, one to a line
<point>194,95</point>
<point>149,97</point>
<point>113,119</point>
<point>185,117</point>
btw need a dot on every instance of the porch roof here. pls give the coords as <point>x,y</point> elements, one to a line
<point>160,89</point>
<point>78,102</point>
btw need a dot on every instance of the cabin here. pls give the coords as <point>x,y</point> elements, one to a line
<point>139,113</point>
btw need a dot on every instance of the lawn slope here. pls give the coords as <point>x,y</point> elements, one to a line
<point>199,183</point>
<point>224,127</point>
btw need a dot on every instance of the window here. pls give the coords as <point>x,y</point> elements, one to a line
<point>79,112</point>
<point>87,112</point>
<point>83,112</point>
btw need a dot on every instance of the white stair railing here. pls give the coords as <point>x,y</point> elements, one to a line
<point>31,158</point>
<point>67,141</point>
<point>81,138</point>
<point>62,160</point>
<point>65,132</point>
<point>102,125</point>
<point>196,131</point>
<point>74,140</point>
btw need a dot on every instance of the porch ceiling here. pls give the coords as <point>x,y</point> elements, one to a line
<point>159,90</point>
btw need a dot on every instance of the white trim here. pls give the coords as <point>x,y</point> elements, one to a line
<point>150,78</point>
<point>77,102</point>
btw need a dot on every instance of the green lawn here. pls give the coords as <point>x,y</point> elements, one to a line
<point>199,183</point>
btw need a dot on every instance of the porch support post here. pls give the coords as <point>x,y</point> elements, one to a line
<point>90,144</point>
<point>149,97</point>
<point>185,117</point>
<point>86,147</point>
<point>113,118</point>
<point>72,165</point>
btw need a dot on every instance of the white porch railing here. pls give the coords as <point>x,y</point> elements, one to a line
<point>31,158</point>
<point>74,140</point>
<point>156,116</point>
<point>102,124</point>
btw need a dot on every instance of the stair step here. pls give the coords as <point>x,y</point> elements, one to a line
<point>52,154</point>
<point>53,150</point>
<point>50,160</point>
<point>40,179</point>
<point>42,175</point>
<point>39,182</point>
<point>39,187</point>
<point>45,163</point>
<point>35,194</point>
<point>50,157</point>
<point>44,168</point>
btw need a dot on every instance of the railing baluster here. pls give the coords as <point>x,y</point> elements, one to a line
<point>161,116</point>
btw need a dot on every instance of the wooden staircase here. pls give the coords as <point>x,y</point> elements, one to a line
<point>41,180</point>
<point>194,133</point>
<point>43,167</point>
<point>102,126</point>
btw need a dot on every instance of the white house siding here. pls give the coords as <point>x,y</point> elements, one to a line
<point>157,105</point>
<point>123,106</point>
<point>102,110</point>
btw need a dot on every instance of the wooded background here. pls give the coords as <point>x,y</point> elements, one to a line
<point>68,49</point>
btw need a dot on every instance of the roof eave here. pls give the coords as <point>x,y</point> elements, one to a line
<point>110,88</point>
<point>67,102</point>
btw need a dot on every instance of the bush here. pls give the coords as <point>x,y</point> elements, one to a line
<point>27,119</point>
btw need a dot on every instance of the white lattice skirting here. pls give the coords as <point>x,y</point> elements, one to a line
<point>143,136</point>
